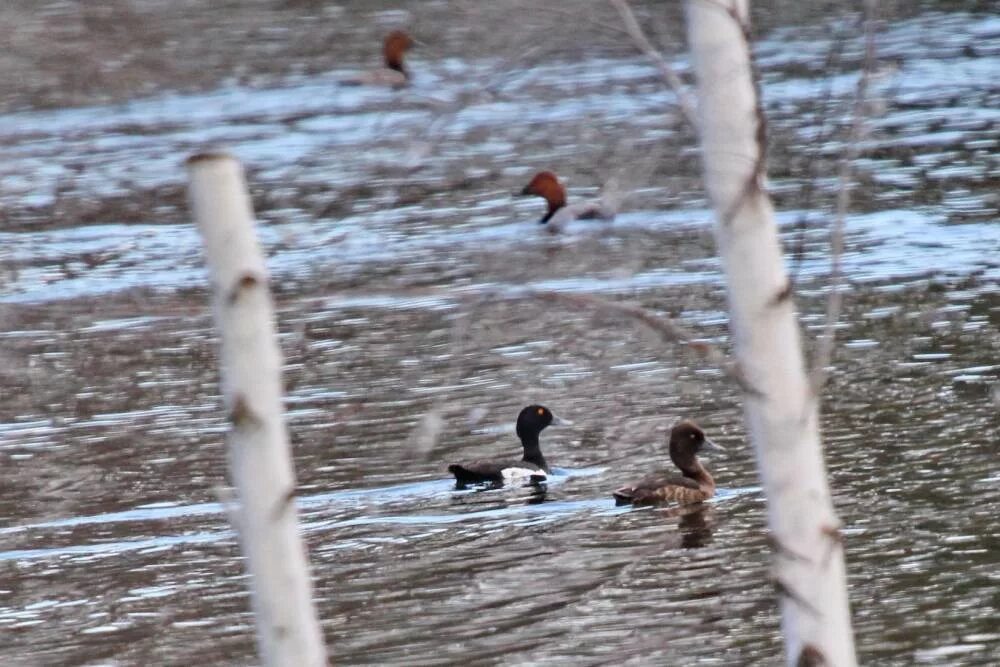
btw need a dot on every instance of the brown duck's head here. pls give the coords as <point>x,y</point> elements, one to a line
<point>395,46</point>
<point>546,185</point>
<point>687,440</point>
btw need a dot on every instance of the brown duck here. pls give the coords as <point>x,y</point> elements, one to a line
<point>546,184</point>
<point>693,485</point>
<point>394,73</point>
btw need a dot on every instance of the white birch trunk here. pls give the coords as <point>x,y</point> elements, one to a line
<point>288,632</point>
<point>782,412</point>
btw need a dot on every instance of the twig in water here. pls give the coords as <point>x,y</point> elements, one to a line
<point>824,354</point>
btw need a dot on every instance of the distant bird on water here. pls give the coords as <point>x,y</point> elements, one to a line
<point>693,485</point>
<point>546,184</point>
<point>532,467</point>
<point>394,73</point>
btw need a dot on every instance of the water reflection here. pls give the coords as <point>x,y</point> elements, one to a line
<point>695,527</point>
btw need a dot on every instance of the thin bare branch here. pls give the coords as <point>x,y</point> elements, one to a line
<point>668,329</point>
<point>576,17</point>
<point>824,354</point>
<point>642,43</point>
<point>826,131</point>
<point>426,434</point>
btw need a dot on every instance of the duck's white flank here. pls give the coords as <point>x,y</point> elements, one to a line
<point>512,475</point>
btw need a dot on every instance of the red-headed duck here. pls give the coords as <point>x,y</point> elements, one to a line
<point>546,185</point>
<point>394,74</point>
<point>532,467</point>
<point>693,485</point>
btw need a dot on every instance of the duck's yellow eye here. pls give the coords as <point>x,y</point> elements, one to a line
<point>541,411</point>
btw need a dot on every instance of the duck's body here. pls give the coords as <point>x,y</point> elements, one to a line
<point>664,487</point>
<point>394,74</point>
<point>500,473</point>
<point>693,485</point>
<point>531,468</point>
<point>545,184</point>
<point>382,77</point>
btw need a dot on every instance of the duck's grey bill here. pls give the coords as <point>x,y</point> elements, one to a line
<point>559,421</point>
<point>712,444</point>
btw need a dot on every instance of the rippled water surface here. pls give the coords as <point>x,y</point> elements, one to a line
<point>387,216</point>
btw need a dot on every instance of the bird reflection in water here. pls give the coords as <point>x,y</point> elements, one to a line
<point>485,497</point>
<point>695,525</point>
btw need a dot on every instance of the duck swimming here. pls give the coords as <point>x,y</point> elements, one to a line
<point>693,485</point>
<point>545,184</point>
<point>531,468</point>
<point>394,74</point>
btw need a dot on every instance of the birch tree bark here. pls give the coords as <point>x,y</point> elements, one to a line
<point>780,407</point>
<point>266,520</point>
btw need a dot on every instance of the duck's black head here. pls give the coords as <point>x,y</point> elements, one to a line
<point>533,420</point>
<point>686,440</point>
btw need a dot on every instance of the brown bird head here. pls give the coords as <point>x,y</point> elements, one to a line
<point>395,46</point>
<point>546,185</point>
<point>686,440</point>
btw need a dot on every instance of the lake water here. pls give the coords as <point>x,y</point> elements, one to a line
<point>387,216</point>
